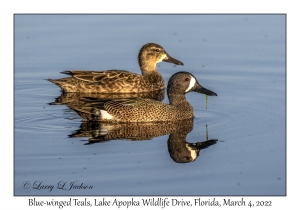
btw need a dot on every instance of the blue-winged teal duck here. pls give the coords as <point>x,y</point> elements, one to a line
<point>148,110</point>
<point>121,81</point>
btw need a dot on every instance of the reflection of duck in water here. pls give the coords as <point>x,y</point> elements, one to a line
<point>179,149</point>
<point>147,110</point>
<point>101,132</point>
<point>120,81</point>
<point>182,151</point>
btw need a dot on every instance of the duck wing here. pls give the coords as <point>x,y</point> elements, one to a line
<point>102,76</point>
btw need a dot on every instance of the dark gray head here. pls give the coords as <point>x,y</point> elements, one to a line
<point>154,53</point>
<point>184,82</point>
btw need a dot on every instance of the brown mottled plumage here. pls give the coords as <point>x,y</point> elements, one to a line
<point>148,110</point>
<point>121,81</point>
<point>81,101</point>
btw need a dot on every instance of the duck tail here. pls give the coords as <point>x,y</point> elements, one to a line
<point>54,81</point>
<point>67,72</point>
<point>60,84</point>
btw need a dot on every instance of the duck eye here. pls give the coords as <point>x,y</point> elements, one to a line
<point>187,79</point>
<point>156,50</point>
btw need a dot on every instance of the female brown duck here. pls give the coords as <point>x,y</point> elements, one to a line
<point>121,81</point>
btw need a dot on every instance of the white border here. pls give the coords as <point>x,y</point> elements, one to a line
<point>8,8</point>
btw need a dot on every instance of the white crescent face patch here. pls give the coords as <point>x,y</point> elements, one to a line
<point>192,83</point>
<point>193,152</point>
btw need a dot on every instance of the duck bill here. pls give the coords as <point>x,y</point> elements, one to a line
<point>203,90</point>
<point>169,59</point>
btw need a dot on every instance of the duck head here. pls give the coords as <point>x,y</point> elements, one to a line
<point>152,53</point>
<point>184,82</point>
